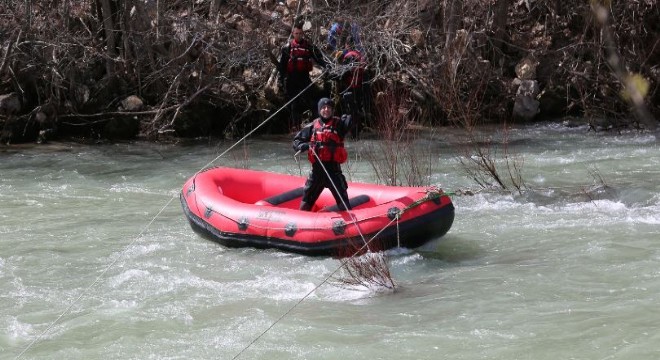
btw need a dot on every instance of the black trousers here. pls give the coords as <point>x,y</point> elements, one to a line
<point>319,180</point>
<point>294,86</point>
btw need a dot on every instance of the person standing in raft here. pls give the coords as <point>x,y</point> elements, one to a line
<point>297,59</point>
<point>323,139</point>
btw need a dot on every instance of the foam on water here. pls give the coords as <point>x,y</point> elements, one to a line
<point>16,329</point>
<point>566,270</point>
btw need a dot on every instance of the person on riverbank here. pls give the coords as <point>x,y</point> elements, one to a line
<point>339,31</point>
<point>297,59</point>
<point>323,139</point>
<point>350,85</point>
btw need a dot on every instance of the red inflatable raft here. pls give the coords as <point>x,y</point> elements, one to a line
<point>237,207</point>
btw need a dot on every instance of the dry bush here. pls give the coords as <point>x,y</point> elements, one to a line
<point>173,57</point>
<point>369,270</point>
<point>463,98</point>
<point>394,159</point>
<point>215,58</point>
<point>482,162</point>
<point>364,264</point>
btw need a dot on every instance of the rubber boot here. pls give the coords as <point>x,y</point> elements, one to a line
<point>341,207</point>
<point>305,206</point>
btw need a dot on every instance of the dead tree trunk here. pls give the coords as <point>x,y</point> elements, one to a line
<point>499,29</point>
<point>28,13</point>
<point>106,18</point>
<point>127,52</point>
<point>453,13</point>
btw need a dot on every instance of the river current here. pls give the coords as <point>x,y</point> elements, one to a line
<point>97,260</point>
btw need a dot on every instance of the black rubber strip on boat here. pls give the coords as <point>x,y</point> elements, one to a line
<point>285,196</point>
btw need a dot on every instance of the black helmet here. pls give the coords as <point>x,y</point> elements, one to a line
<point>326,101</point>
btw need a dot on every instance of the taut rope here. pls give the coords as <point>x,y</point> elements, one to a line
<point>146,228</point>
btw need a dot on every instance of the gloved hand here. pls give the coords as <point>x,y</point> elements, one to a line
<point>303,147</point>
<point>280,86</point>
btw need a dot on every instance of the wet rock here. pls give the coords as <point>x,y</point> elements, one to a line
<point>526,107</point>
<point>606,124</point>
<point>573,122</point>
<point>527,87</point>
<point>10,104</point>
<point>46,117</point>
<point>18,129</point>
<point>121,128</point>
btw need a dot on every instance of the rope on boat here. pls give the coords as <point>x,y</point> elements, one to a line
<point>325,280</point>
<point>262,123</point>
<point>343,201</point>
<point>98,278</point>
<point>433,193</point>
<point>146,228</point>
<point>398,238</point>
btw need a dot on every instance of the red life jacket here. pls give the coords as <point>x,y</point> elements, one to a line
<point>326,142</point>
<point>353,79</point>
<point>300,57</point>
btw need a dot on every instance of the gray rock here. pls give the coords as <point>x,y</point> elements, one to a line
<point>132,103</point>
<point>525,108</point>
<point>10,104</point>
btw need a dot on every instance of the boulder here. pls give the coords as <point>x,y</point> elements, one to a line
<point>526,69</point>
<point>528,88</point>
<point>10,104</point>
<point>525,108</point>
<point>132,103</point>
